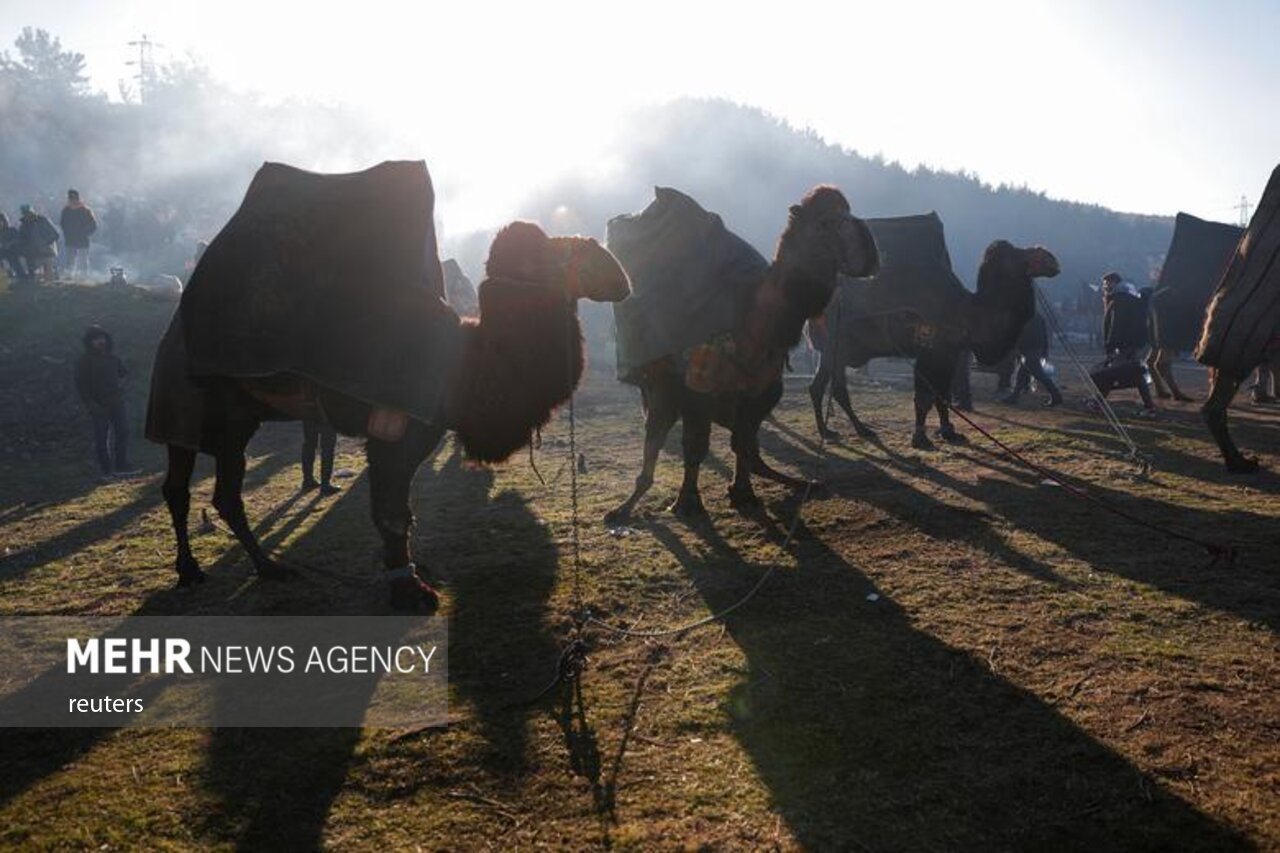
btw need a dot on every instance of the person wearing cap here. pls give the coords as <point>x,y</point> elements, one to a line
<point>78,225</point>
<point>100,378</point>
<point>39,239</point>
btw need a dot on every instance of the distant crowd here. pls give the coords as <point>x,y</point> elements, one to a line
<point>34,249</point>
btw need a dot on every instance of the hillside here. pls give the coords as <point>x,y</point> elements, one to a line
<point>750,166</point>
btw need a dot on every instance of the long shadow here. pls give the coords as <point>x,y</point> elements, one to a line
<point>866,481</point>
<point>275,786</point>
<point>499,562</point>
<point>100,527</point>
<point>871,734</point>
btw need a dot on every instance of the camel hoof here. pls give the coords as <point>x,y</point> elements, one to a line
<point>829,434</point>
<point>413,595</point>
<point>273,571</point>
<point>866,432</point>
<point>744,499</point>
<point>1183,398</point>
<point>950,436</point>
<point>1243,465</point>
<point>688,506</point>
<point>189,574</point>
<point>920,441</point>
<point>621,515</point>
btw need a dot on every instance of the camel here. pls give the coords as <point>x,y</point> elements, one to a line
<point>507,370</point>
<point>1242,323</point>
<point>822,239</point>
<point>903,318</point>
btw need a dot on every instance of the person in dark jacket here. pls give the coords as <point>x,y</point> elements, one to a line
<point>39,239</point>
<point>1032,349</point>
<point>1124,333</point>
<point>100,378</point>
<point>78,224</point>
<point>11,249</point>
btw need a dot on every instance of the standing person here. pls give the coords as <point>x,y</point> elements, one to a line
<point>1032,349</point>
<point>39,240</point>
<point>318,432</point>
<point>1124,334</point>
<point>11,249</point>
<point>100,378</point>
<point>78,225</point>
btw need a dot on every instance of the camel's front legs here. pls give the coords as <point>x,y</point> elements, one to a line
<point>392,466</point>
<point>177,496</point>
<point>1222,389</point>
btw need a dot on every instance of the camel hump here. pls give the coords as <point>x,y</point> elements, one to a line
<point>336,277</point>
<point>689,274</point>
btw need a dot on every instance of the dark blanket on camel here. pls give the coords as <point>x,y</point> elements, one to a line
<point>1243,319</point>
<point>332,278</point>
<point>1198,254</point>
<point>915,284</point>
<point>690,279</point>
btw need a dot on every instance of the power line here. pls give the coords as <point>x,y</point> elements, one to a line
<point>1243,209</point>
<point>146,64</point>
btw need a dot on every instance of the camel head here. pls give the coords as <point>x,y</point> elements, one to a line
<point>1006,295</point>
<point>823,238</point>
<point>590,271</point>
<point>522,253</point>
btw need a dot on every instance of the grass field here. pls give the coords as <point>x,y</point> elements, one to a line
<point>950,654</point>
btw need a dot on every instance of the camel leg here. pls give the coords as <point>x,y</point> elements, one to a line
<point>229,503</point>
<point>745,441</point>
<point>1165,359</point>
<point>392,466</point>
<point>662,410</point>
<point>840,390</point>
<point>938,373</point>
<point>177,496</point>
<point>821,378</point>
<point>923,403</point>
<point>1222,389</point>
<point>695,442</point>
<point>1155,367</point>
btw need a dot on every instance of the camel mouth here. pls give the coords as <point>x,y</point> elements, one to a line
<point>591,271</point>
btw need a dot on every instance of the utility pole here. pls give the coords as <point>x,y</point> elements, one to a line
<point>146,64</point>
<point>1243,207</point>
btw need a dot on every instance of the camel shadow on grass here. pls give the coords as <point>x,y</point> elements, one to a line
<point>275,786</point>
<point>872,734</point>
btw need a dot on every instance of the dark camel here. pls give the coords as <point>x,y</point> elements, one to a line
<point>822,239</point>
<point>987,322</point>
<point>514,364</point>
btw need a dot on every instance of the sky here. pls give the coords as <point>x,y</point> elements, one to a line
<point>1138,105</point>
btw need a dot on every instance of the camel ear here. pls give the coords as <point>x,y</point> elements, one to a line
<point>795,209</point>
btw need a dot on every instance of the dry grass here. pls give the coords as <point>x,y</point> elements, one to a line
<point>1035,674</point>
